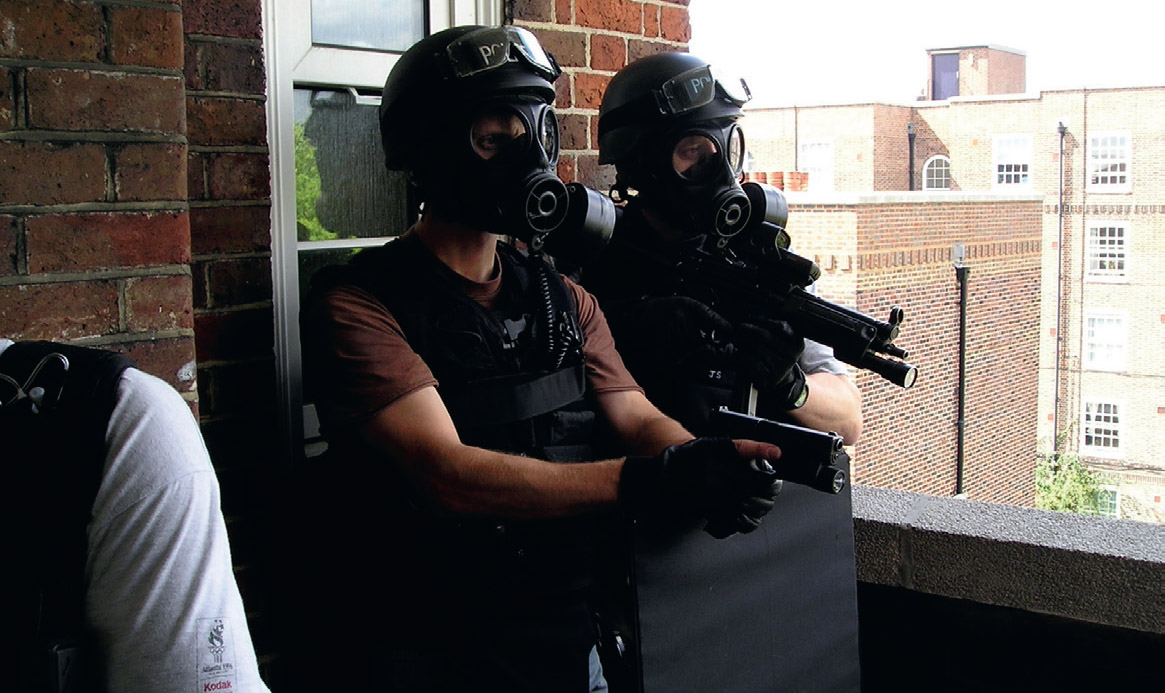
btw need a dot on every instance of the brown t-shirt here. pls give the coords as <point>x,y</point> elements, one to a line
<point>362,361</point>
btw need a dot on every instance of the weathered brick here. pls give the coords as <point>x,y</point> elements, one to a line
<point>637,49</point>
<point>195,175</point>
<point>7,112</point>
<point>534,10</point>
<point>88,100</point>
<point>574,131</point>
<point>608,52</point>
<point>568,47</point>
<point>146,36</point>
<point>73,242</point>
<point>565,169</point>
<point>192,64</point>
<point>614,15</point>
<point>230,229</point>
<point>562,91</point>
<point>223,18</point>
<point>8,260</point>
<point>233,68</point>
<point>238,176</point>
<point>64,173</point>
<point>650,20</point>
<point>170,359</point>
<point>158,303</point>
<point>562,12</point>
<point>225,121</point>
<point>234,334</point>
<point>240,281</point>
<point>674,24</point>
<point>34,311</point>
<point>51,30</point>
<point>592,175</point>
<point>588,89</point>
<point>150,172</point>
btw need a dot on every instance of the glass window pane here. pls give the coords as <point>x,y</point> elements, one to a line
<point>385,25</point>
<point>342,189</point>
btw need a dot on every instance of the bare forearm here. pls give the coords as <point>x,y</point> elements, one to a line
<point>474,481</point>
<point>834,404</point>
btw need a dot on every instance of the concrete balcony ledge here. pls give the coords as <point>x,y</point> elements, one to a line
<point>1091,569</point>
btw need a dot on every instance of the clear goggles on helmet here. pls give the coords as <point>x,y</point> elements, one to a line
<point>697,87</point>
<point>487,49</point>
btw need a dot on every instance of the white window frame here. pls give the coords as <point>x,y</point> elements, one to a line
<point>1106,335</point>
<point>1107,243</point>
<point>1115,492</point>
<point>292,60</point>
<point>1104,414</point>
<point>926,171</point>
<point>1011,159</point>
<point>816,157</point>
<point>1107,149</point>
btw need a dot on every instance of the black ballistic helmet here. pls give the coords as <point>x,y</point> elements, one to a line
<point>664,91</point>
<point>437,78</point>
<point>668,123</point>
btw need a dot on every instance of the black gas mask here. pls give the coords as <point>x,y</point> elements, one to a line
<point>484,151</point>
<point>669,124</point>
<point>695,179</point>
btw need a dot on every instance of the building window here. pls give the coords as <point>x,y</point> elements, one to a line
<point>1109,162</point>
<point>331,195</point>
<point>1101,429</point>
<point>936,173</point>
<point>815,157</point>
<point>1106,250</point>
<point>1108,501</point>
<point>1012,156</point>
<point>1104,341</point>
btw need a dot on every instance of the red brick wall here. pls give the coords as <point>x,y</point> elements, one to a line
<point>592,40</point>
<point>94,229</point>
<point>878,255</point>
<point>229,191</point>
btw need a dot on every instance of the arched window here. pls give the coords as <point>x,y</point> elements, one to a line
<point>936,173</point>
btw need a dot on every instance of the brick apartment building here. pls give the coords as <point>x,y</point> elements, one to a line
<point>1069,185</point>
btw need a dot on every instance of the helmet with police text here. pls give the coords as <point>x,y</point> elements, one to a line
<point>668,123</point>
<point>467,113</point>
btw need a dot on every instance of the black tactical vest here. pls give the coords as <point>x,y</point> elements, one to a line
<point>53,421</point>
<point>512,379</point>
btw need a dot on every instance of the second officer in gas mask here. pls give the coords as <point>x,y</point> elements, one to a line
<point>670,124</point>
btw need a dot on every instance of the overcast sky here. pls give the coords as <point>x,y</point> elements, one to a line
<point>804,52</point>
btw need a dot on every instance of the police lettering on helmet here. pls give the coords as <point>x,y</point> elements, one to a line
<point>669,125</point>
<point>468,114</point>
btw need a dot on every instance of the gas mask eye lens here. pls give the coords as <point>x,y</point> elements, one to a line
<point>493,132</point>
<point>693,155</point>
<point>736,149</point>
<point>548,134</point>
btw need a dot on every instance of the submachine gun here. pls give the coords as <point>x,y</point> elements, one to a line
<point>754,274</point>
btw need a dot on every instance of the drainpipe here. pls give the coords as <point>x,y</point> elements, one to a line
<point>1063,130</point>
<point>910,137</point>
<point>962,276</point>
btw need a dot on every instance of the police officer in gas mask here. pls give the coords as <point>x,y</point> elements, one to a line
<point>671,126</point>
<point>461,386</point>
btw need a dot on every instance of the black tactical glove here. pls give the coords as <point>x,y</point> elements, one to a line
<point>767,354</point>
<point>670,329</point>
<point>705,477</point>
